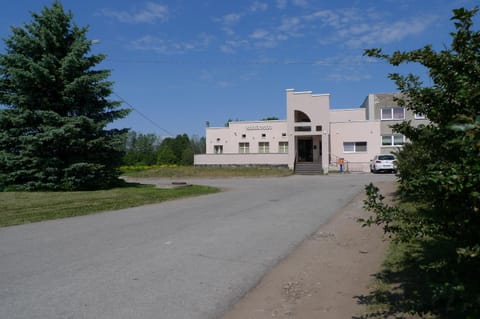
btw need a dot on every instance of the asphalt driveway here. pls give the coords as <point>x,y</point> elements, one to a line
<point>190,258</point>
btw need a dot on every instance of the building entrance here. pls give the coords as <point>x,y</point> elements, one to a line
<point>305,150</point>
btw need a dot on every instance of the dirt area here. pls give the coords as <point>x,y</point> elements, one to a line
<point>323,276</point>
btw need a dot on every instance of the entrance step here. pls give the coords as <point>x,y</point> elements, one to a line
<point>308,169</point>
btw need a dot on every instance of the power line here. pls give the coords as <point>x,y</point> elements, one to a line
<point>142,115</point>
<point>246,62</point>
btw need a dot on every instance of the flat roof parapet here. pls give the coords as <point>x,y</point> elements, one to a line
<point>307,92</point>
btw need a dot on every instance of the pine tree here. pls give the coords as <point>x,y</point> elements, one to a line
<point>53,128</point>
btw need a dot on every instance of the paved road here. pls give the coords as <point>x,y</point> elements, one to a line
<point>190,258</point>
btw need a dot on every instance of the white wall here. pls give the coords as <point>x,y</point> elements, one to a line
<point>241,159</point>
<point>317,107</point>
<point>337,127</point>
<point>230,137</point>
<point>251,132</point>
<point>347,115</point>
<point>362,131</point>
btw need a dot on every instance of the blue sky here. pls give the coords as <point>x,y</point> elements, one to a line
<point>181,63</point>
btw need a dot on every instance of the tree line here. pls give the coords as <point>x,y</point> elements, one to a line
<point>150,149</point>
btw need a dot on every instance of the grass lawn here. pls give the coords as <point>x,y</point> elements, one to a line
<point>172,171</point>
<point>403,288</point>
<point>27,207</point>
<point>424,277</point>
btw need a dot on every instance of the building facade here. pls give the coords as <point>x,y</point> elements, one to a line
<point>312,135</point>
<point>384,108</point>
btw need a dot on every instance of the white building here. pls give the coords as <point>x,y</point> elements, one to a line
<point>312,138</point>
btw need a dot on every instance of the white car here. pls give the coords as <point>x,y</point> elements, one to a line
<point>383,163</point>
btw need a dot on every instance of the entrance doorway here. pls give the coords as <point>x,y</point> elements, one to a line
<point>305,150</point>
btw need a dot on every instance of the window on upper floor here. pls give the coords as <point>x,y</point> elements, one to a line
<point>301,117</point>
<point>392,113</point>
<point>420,116</point>
<point>263,147</point>
<point>354,147</point>
<point>393,140</point>
<point>303,128</point>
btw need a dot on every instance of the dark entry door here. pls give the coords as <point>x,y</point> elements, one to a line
<point>305,150</point>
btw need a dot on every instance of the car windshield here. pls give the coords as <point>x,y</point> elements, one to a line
<point>386,157</point>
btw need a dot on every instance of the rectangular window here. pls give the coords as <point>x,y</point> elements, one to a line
<point>398,140</point>
<point>360,146</point>
<point>386,114</point>
<point>283,147</point>
<point>398,113</point>
<point>218,149</point>
<point>420,116</point>
<point>354,147</point>
<point>393,140</point>
<point>303,128</point>
<point>348,147</point>
<point>244,148</point>
<point>386,140</point>
<point>263,147</point>
<point>319,128</point>
<point>392,113</point>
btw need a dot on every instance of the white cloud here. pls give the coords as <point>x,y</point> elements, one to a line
<point>259,34</point>
<point>258,6</point>
<point>272,37</point>
<point>151,13</point>
<point>384,33</point>
<point>345,68</point>
<point>230,19</point>
<point>349,27</point>
<point>167,47</point>
<point>228,22</point>
<point>348,75</point>
<point>327,17</point>
<point>231,46</point>
<point>210,78</point>
<point>224,84</point>
<point>291,25</point>
<point>229,31</point>
<point>357,28</point>
<point>300,3</point>
<point>264,38</point>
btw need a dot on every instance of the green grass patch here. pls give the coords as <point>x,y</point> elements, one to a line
<point>404,288</point>
<point>424,277</point>
<point>173,171</point>
<point>28,207</point>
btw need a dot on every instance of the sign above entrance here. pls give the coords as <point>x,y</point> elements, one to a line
<point>259,128</point>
